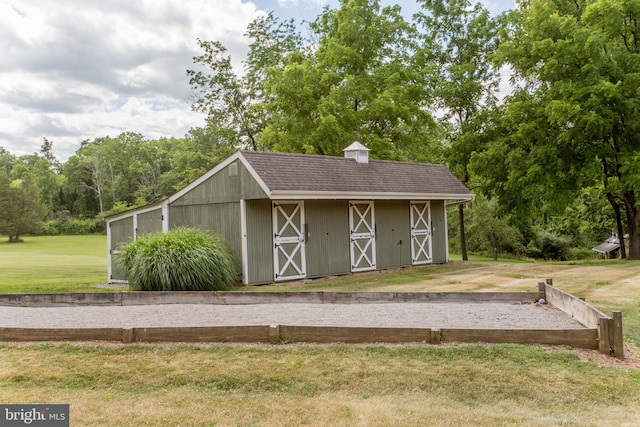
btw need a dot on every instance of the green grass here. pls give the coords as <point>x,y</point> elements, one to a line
<point>43,264</point>
<point>464,385</point>
<point>341,385</point>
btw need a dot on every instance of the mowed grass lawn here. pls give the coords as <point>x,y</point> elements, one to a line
<point>43,264</point>
<point>110,384</point>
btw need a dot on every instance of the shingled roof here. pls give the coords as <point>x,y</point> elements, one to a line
<point>337,177</point>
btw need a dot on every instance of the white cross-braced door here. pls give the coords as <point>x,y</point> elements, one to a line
<point>421,249</point>
<point>289,260</point>
<point>363,236</point>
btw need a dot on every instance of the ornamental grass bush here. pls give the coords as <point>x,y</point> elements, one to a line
<point>184,259</point>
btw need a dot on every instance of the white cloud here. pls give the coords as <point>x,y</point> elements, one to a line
<point>80,70</point>
<point>74,70</point>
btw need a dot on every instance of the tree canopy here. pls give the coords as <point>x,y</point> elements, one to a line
<point>557,158</point>
<point>577,115</point>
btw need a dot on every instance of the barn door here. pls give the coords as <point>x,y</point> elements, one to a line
<point>288,241</point>
<point>363,236</point>
<point>421,233</point>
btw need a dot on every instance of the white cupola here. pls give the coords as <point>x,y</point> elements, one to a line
<point>358,152</point>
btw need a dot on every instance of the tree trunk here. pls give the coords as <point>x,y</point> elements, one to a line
<point>619,228</point>
<point>633,221</point>
<point>494,245</point>
<point>463,239</point>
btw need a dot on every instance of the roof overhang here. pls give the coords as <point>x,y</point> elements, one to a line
<point>605,248</point>
<point>138,210</point>
<point>346,195</point>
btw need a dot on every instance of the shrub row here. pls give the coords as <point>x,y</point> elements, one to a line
<point>69,226</point>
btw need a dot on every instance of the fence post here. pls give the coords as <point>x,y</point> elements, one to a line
<point>542,290</point>
<point>618,343</point>
<point>274,333</point>
<point>604,345</point>
<point>127,335</point>
<point>435,336</point>
<point>549,282</point>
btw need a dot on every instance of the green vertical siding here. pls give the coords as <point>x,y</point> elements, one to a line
<point>250,188</point>
<point>221,218</point>
<point>393,224</point>
<point>149,222</point>
<point>230,184</point>
<point>327,233</point>
<point>121,232</point>
<point>439,230</point>
<point>259,241</point>
<point>220,188</point>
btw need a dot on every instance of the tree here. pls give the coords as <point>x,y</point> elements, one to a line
<point>20,209</point>
<point>236,102</point>
<point>7,160</point>
<point>121,169</point>
<point>579,61</point>
<point>490,231</point>
<point>43,167</point>
<point>461,39</point>
<point>360,82</point>
<point>191,157</point>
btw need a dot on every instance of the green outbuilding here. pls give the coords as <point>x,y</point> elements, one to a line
<point>295,216</point>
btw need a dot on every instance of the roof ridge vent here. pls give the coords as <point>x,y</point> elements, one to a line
<point>358,152</point>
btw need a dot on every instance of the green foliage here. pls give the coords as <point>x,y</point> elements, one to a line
<point>549,246</point>
<point>490,232</point>
<point>359,83</point>
<point>580,254</point>
<point>236,104</point>
<point>21,211</point>
<point>68,226</point>
<point>577,114</point>
<point>183,259</point>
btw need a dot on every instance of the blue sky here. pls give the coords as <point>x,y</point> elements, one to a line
<point>73,71</point>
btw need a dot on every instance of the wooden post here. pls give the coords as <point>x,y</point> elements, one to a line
<point>127,335</point>
<point>604,345</point>
<point>550,282</point>
<point>435,336</point>
<point>274,333</point>
<point>618,343</point>
<point>542,290</point>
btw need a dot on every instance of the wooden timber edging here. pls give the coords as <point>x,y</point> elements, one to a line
<point>602,332</point>
<point>237,298</point>
<point>609,329</point>
<point>579,338</point>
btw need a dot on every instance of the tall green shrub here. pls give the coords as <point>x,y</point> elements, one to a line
<point>184,259</point>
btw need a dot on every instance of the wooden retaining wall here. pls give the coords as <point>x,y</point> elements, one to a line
<point>601,332</point>
<point>609,329</point>
<point>579,338</point>
<point>234,298</point>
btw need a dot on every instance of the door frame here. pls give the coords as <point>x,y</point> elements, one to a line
<point>281,242</point>
<point>421,233</point>
<point>357,235</point>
